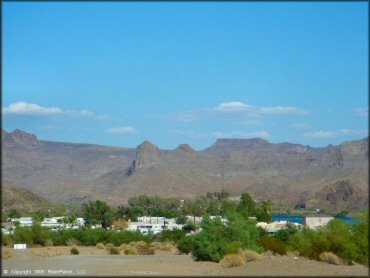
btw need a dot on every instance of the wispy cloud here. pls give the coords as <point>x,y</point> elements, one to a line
<point>23,108</point>
<point>241,134</point>
<point>121,130</point>
<point>301,126</point>
<point>363,112</point>
<point>234,111</point>
<point>30,109</point>
<point>233,106</point>
<point>352,132</point>
<point>320,134</point>
<point>332,134</point>
<point>281,110</point>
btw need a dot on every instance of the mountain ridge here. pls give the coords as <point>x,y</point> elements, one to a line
<point>283,172</point>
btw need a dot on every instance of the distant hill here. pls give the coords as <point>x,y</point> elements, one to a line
<point>288,174</point>
<point>23,200</point>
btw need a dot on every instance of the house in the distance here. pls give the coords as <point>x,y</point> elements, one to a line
<point>316,221</point>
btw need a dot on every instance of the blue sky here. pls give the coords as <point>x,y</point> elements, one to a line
<point>121,73</point>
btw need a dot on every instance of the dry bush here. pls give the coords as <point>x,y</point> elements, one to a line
<point>250,255</point>
<point>130,251</point>
<point>100,245</point>
<point>330,258</point>
<point>72,242</point>
<point>114,250</point>
<point>109,245</point>
<point>7,255</point>
<point>143,248</point>
<point>163,246</point>
<point>49,242</point>
<point>124,246</point>
<point>232,260</point>
<point>74,251</point>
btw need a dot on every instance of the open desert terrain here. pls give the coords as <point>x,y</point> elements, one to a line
<point>52,261</point>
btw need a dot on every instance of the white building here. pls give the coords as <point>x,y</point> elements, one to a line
<point>23,221</point>
<point>316,221</point>
<point>153,225</point>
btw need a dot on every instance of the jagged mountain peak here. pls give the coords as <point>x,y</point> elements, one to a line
<point>21,137</point>
<point>147,145</point>
<point>184,147</point>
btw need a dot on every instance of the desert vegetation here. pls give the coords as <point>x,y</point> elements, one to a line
<point>211,240</point>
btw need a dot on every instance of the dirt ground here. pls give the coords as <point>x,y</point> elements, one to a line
<point>57,261</point>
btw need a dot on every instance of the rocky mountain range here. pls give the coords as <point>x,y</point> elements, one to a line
<point>291,175</point>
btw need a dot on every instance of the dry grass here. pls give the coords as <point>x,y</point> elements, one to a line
<point>7,255</point>
<point>232,260</point>
<point>162,246</point>
<point>139,248</point>
<point>330,258</point>
<point>100,245</point>
<point>250,255</point>
<point>49,243</point>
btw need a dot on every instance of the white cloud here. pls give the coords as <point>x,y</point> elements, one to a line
<point>241,134</point>
<point>320,134</point>
<point>301,126</point>
<point>364,112</point>
<point>278,110</point>
<point>121,130</point>
<point>23,108</point>
<point>30,109</point>
<point>233,106</point>
<point>350,132</point>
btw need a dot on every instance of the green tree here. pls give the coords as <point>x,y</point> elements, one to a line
<point>98,212</point>
<point>247,205</point>
<point>14,213</point>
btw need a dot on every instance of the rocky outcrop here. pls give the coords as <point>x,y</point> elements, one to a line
<point>20,137</point>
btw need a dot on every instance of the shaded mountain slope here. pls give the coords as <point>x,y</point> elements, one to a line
<point>285,173</point>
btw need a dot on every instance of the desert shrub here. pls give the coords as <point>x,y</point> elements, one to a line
<point>302,242</point>
<point>100,245</point>
<point>5,240</point>
<point>232,260</point>
<point>109,245</point>
<point>186,244</point>
<point>91,237</point>
<point>143,248</point>
<point>233,247</point>
<point>114,250</point>
<point>276,246</point>
<point>189,227</point>
<point>163,246</point>
<point>168,235</point>
<point>250,255</point>
<point>216,237</point>
<point>360,232</point>
<point>74,251</point>
<point>131,251</point>
<point>330,258</point>
<point>285,234</point>
<point>34,235</point>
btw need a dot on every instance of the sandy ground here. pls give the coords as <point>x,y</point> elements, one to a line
<point>54,261</point>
